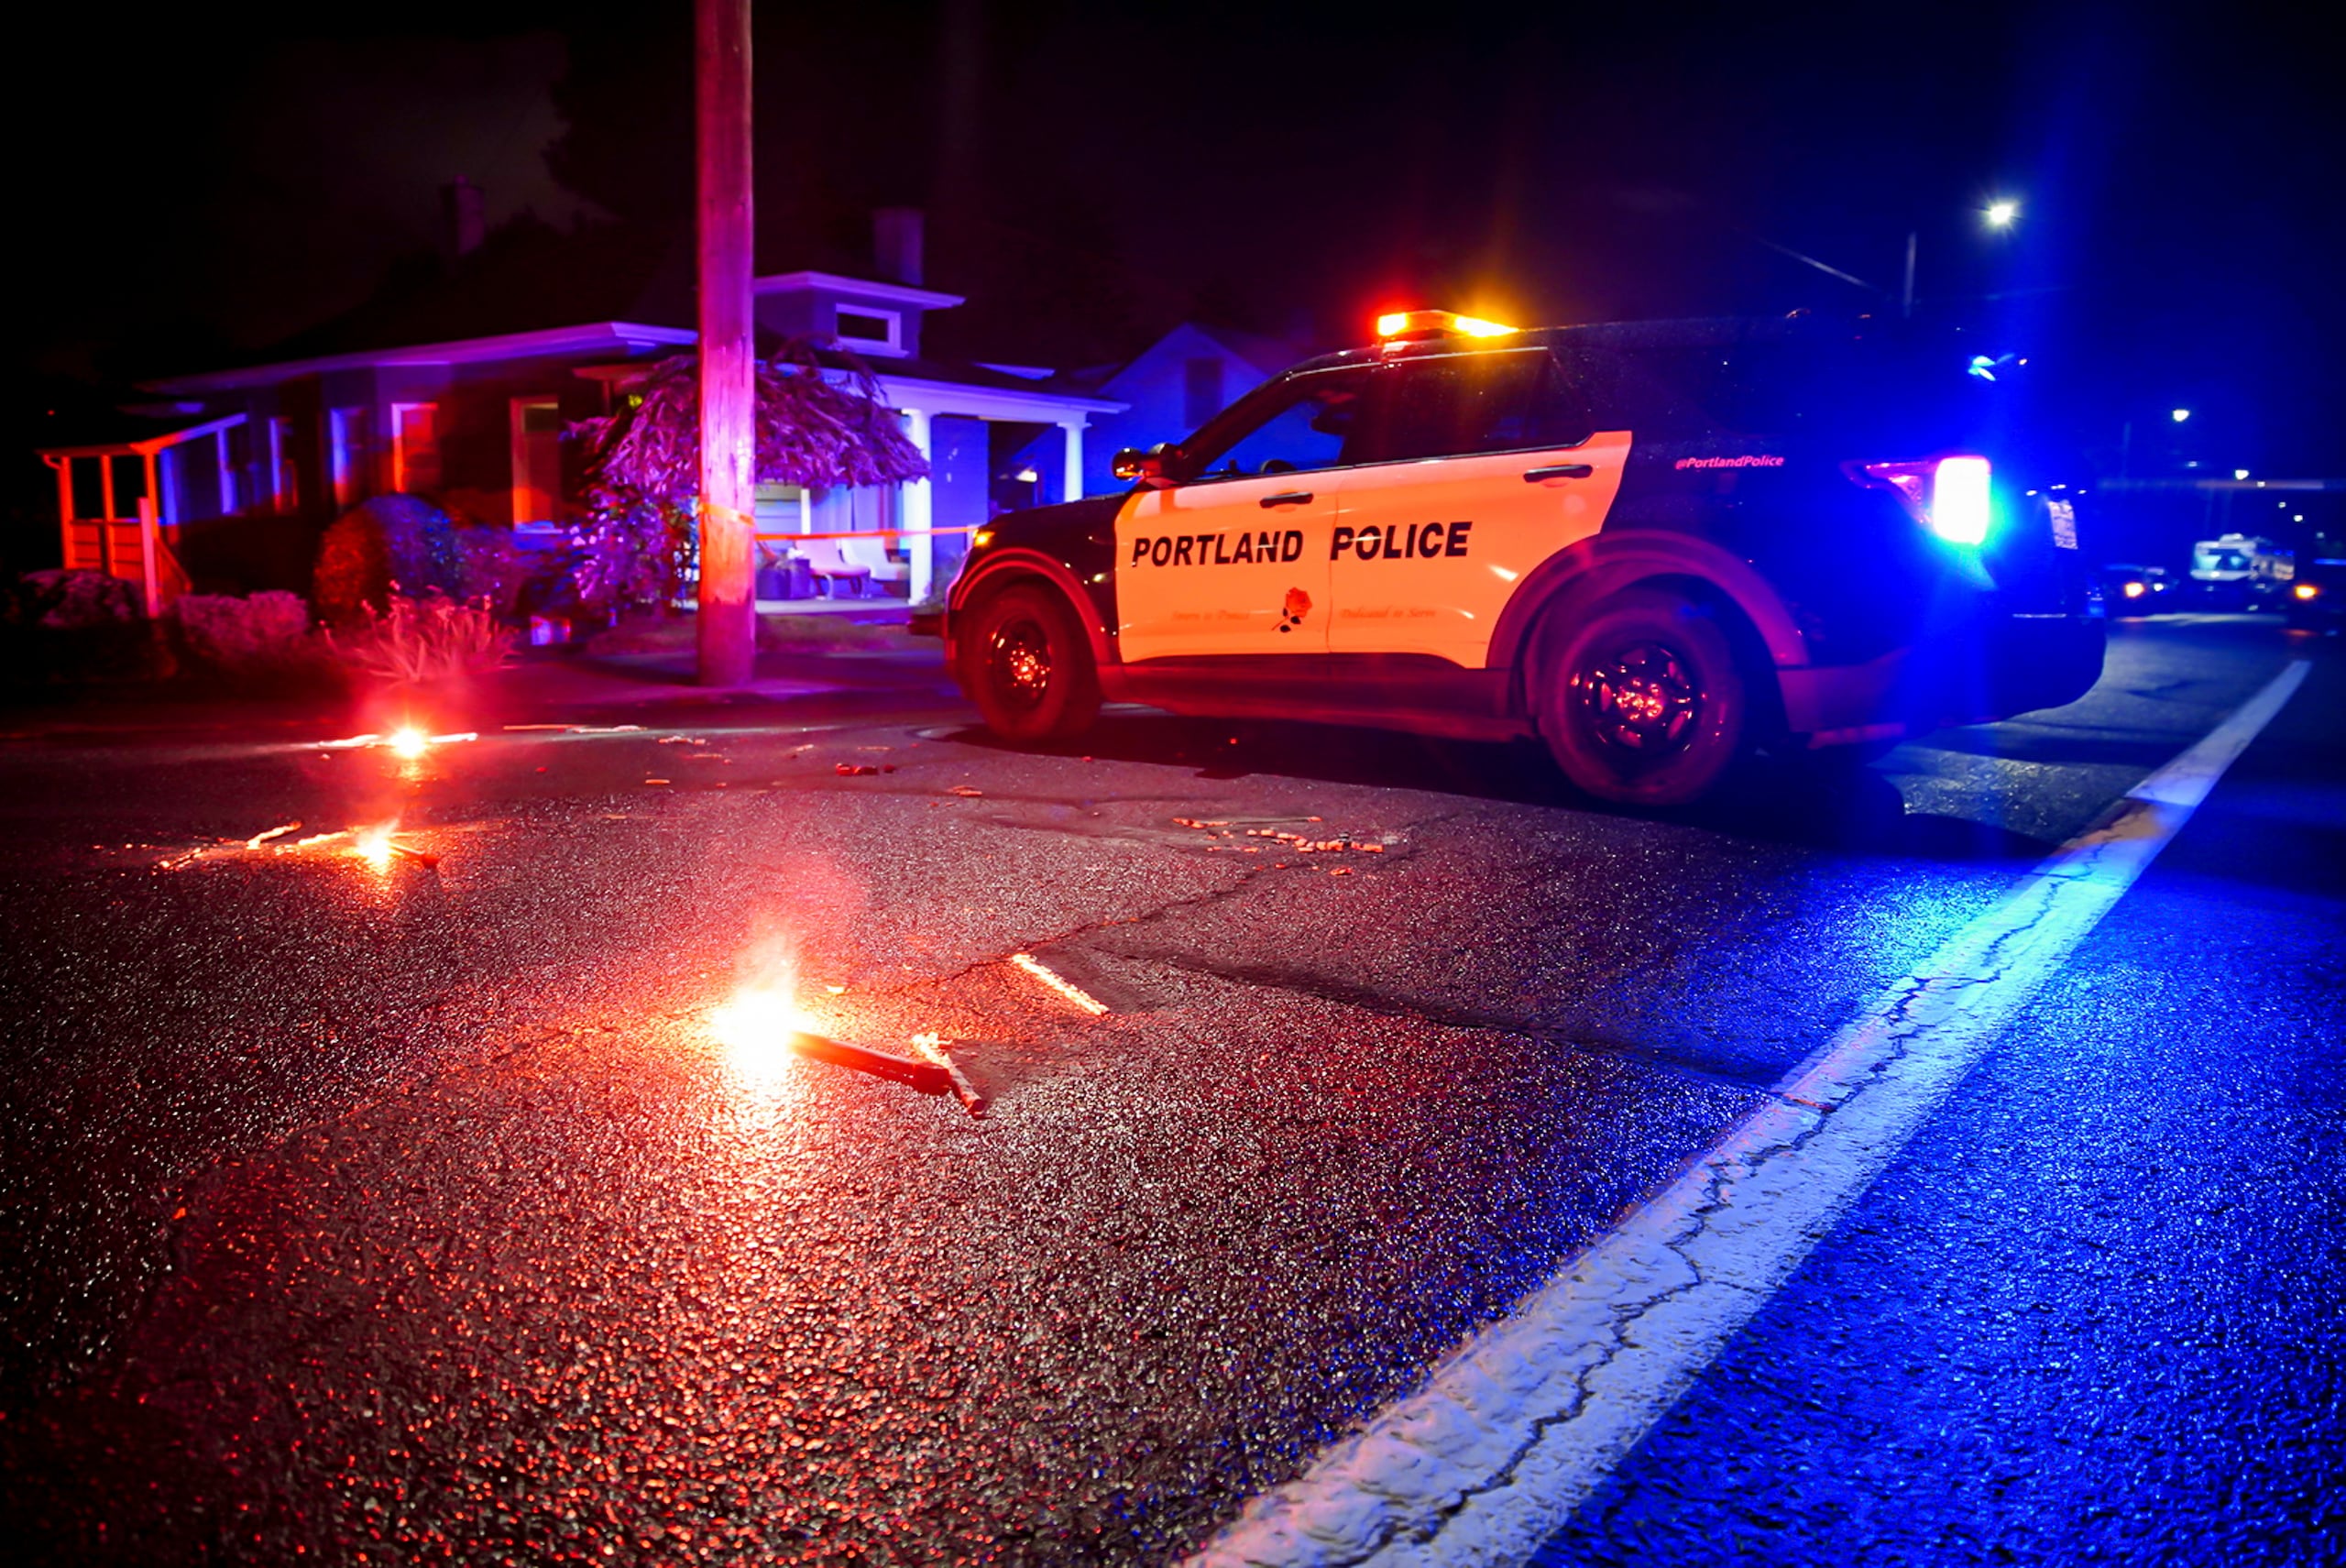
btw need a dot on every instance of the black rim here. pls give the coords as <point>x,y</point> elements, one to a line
<point>1641,700</point>
<point>1019,660</point>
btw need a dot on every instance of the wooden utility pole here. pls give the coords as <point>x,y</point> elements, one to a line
<point>728,350</point>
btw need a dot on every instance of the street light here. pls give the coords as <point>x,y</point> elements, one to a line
<point>1997,215</point>
<point>2178,415</point>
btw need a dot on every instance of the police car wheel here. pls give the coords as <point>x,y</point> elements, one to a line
<point>1027,667</point>
<point>1640,699</point>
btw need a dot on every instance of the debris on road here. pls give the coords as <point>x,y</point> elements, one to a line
<point>1303,844</point>
<point>931,1047</point>
<point>1065,987</point>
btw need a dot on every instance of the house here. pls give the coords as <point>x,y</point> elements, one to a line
<point>263,457</point>
<point>1171,388</point>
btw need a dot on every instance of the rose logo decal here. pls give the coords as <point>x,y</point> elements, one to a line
<point>1298,605</point>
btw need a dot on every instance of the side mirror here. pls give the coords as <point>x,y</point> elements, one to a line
<point>1148,467</point>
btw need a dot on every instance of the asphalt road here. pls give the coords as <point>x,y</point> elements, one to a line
<point>413,1209</point>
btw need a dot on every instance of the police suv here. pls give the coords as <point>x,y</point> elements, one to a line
<point>1657,547</point>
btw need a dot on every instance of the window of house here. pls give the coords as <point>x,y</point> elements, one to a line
<point>537,459</point>
<point>875,330</point>
<point>415,447</point>
<point>1200,391</point>
<point>346,453</point>
<point>284,478</point>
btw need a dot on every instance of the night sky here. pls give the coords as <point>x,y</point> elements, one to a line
<point>226,186</point>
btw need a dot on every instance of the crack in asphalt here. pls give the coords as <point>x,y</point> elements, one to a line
<point>1247,873</point>
<point>1368,999</point>
<point>1898,1032</point>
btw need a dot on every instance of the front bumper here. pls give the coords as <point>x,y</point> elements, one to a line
<point>1988,670</point>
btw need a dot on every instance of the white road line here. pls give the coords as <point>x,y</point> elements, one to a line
<point>1511,1432</point>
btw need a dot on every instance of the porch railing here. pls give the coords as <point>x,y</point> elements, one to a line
<point>135,543</point>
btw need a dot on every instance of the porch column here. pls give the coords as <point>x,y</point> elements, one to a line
<point>64,467</point>
<point>106,505</point>
<point>150,517</point>
<point>918,510</point>
<point>227,471</point>
<point>149,558</point>
<point>1072,429</point>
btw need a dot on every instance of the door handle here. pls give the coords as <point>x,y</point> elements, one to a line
<point>1287,498</point>
<point>1558,471</point>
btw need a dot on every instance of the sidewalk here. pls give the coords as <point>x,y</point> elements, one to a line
<point>852,657</point>
<point>842,649</point>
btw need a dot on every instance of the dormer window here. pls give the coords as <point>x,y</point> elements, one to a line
<point>869,329</point>
<point>863,316</point>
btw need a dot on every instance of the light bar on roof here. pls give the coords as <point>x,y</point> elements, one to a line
<point>1438,323</point>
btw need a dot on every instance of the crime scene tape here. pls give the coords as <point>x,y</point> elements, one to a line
<point>869,534</point>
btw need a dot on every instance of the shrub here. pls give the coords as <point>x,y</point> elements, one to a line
<point>64,600</point>
<point>354,575</point>
<point>266,634</point>
<point>492,572</point>
<point>551,588</point>
<point>418,641</point>
<point>635,555</point>
<point>389,544</point>
<point>76,626</point>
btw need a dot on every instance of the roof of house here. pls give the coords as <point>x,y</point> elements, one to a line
<point>1267,356</point>
<point>589,338</point>
<point>610,291</point>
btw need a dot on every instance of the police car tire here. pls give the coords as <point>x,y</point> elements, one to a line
<point>1028,633</point>
<point>1670,650</point>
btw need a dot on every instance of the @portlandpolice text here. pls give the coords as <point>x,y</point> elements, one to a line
<point>1416,542</point>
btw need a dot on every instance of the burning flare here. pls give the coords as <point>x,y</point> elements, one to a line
<point>374,846</point>
<point>760,1027</point>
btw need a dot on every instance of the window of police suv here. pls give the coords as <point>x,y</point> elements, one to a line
<point>1460,405</point>
<point>1452,405</point>
<point>1892,394</point>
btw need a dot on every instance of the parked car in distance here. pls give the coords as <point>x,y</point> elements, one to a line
<point>2317,599</point>
<point>2135,590</point>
